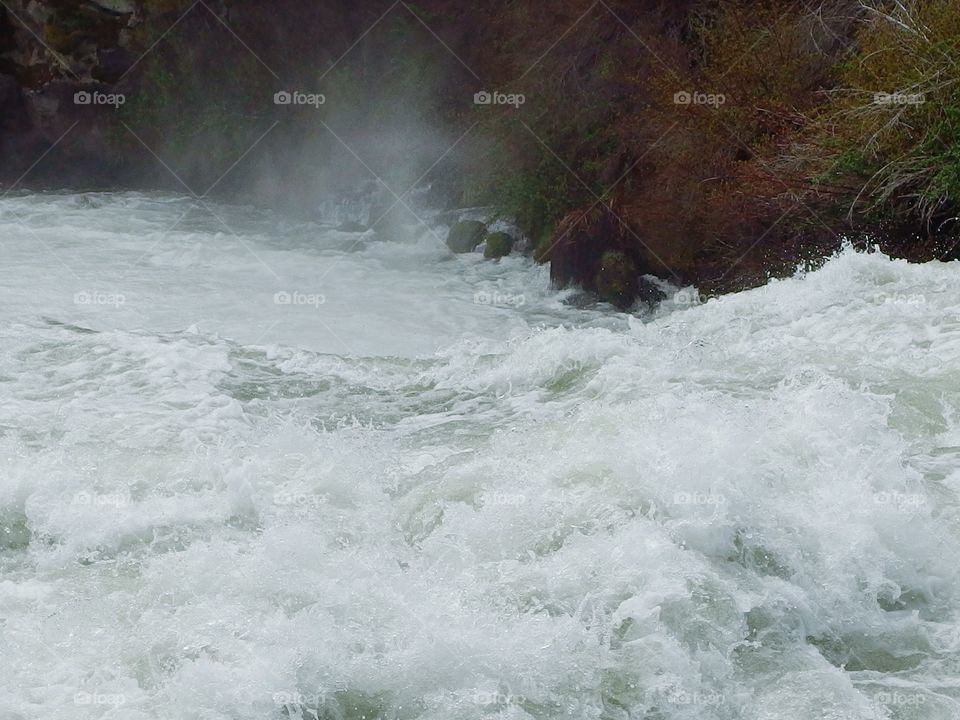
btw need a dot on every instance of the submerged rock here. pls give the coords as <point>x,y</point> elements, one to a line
<point>466,235</point>
<point>498,245</point>
<point>352,226</point>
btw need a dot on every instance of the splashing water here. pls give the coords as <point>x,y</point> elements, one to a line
<point>255,469</point>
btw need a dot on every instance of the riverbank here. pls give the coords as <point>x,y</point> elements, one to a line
<point>716,144</point>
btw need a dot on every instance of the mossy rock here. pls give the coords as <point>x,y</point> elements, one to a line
<point>498,245</point>
<point>466,235</point>
<point>616,280</point>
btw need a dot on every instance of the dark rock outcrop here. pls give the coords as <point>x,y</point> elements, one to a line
<point>596,250</point>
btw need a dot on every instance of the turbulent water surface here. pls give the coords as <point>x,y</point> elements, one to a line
<point>259,469</point>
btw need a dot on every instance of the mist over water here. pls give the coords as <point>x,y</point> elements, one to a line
<point>254,468</point>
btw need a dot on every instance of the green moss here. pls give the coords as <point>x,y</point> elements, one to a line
<point>498,245</point>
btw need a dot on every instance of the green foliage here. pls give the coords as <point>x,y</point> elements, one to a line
<point>894,128</point>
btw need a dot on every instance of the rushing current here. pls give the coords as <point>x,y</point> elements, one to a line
<point>254,468</point>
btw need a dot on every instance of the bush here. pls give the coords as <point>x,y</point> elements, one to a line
<point>892,131</point>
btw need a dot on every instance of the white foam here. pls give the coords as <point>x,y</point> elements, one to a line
<point>739,509</point>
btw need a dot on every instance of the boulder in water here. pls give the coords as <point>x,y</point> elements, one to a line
<point>466,235</point>
<point>498,245</point>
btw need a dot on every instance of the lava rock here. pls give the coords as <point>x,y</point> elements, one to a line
<point>466,235</point>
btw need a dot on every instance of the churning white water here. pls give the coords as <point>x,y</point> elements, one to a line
<point>257,469</point>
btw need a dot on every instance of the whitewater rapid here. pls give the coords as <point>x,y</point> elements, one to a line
<point>258,469</point>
